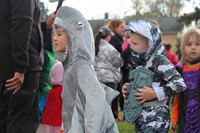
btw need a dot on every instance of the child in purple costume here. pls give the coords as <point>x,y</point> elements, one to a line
<point>186,106</point>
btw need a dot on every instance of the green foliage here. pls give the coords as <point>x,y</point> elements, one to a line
<point>188,18</point>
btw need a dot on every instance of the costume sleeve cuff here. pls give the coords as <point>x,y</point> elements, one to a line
<point>159,93</point>
<point>20,69</point>
<point>46,89</point>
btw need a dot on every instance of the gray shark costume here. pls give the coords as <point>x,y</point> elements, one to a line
<point>86,102</point>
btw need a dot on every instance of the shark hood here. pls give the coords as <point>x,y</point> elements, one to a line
<point>79,34</point>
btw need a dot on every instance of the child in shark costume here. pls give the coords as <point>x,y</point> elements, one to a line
<point>86,102</point>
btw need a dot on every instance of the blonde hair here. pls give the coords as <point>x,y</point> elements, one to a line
<point>155,23</point>
<point>114,23</point>
<point>195,32</point>
<point>126,34</point>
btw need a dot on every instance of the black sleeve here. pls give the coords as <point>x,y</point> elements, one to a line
<point>43,26</point>
<point>126,53</point>
<point>126,56</point>
<point>21,26</point>
<point>116,43</point>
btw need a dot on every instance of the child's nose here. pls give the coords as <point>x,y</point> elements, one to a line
<point>54,38</point>
<point>193,46</point>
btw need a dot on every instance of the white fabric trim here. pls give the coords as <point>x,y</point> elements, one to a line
<point>159,93</point>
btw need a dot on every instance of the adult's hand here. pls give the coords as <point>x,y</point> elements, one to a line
<point>14,84</point>
<point>50,20</point>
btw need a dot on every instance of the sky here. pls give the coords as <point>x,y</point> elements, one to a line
<point>95,9</point>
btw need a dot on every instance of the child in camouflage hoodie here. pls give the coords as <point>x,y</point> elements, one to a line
<point>146,40</point>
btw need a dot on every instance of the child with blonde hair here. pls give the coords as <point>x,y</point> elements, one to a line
<point>186,105</point>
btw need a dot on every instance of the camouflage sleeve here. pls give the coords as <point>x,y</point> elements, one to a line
<point>160,93</point>
<point>171,82</point>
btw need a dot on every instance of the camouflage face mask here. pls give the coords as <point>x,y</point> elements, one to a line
<point>138,58</point>
<point>137,53</point>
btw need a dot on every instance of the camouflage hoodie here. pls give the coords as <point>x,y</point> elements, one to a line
<point>155,116</point>
<point>167,80</point>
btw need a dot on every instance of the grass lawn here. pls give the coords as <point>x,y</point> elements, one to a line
<point>125,127</point>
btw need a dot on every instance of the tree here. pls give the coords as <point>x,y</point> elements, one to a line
<point>43,11</point>
<point>174,7</point>
<point>53,0</point>
<point>194,2</point>
<point>158,7</point>
<point>137,6</point>
<point>187,19</point>
<point>196,15</point>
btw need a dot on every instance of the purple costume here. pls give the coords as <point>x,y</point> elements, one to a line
<point>189,116</point>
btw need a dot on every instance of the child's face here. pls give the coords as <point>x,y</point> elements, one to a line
<point>60,40</point>
<point>138,42</point>
<point>108,37</point>
<point>192,48</point>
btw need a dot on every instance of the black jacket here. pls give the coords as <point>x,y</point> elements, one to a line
<point>20,37</point>
<point>117,41</point>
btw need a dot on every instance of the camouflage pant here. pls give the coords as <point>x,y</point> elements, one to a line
<point>153,120</point>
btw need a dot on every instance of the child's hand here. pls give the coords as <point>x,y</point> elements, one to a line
<point>124,90</point>
<point>145,94</point>
<point>173,127</point>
